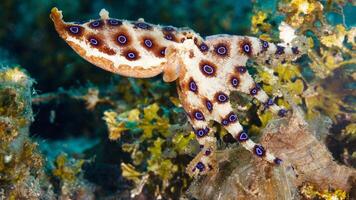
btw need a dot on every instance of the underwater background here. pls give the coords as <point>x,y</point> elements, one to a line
<point>70,130</point>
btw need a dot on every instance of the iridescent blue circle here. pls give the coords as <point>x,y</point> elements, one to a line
<point>232,117</point>
<point>241,69</point>
<point>193,86</point>
<point>203,47</point>
<point>209,105</point>
<point>114,22</point>
<point>222,97</point>
<point>259,150</point>
<point>122,39</point>
<point>148,43</point>
<point>221,50</point>
<point>282,112</point>
<point>200,166</point>
<point>242,136</point>
<point>93,41</point>
<point>208,69</point>
<point>254,91</point>
<point>74,29</point>
<point>247,48</point>
<point>235,81</point>
<point>95,24</point>
<point>198,115</point>
<point>131,55</point>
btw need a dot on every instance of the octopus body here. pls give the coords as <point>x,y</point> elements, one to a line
<point>206,70</point>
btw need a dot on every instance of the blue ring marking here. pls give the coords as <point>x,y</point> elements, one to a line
<point>193,86</point>
<point>131,55</point>
<point>241,69</point>
<point>198,115</point>
<point>114,22</point>
<point>247,48</point>
<point>280,50</point>
<point>200,166</point>
<point>259,150</point>
<point>148,43</point>
<point>282,112</point>
<point>209,105</point>
<point>221,50</point>
<point>93,41</point>
<point>242,136</point>
<point>203,47</point>
<point>74,29</point>
<point>122,39</point>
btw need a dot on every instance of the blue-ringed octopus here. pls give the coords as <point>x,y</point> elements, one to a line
<point>206,71</point>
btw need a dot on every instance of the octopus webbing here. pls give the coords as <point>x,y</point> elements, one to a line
<point>206,71</point>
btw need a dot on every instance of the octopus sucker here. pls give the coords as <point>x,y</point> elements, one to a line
<point>206,70</point>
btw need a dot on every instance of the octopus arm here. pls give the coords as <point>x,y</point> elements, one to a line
<point>129,48</point>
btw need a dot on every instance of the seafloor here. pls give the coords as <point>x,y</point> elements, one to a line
<point>70,130</point>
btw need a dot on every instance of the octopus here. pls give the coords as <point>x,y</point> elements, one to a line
<point>206,71</point>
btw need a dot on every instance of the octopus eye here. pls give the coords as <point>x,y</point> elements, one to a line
<point>242,136</point>
<point>93,41</point>
<point>221,50</point>
<point>114,22</point>
<point>148,43</point>
<point>74,29</point>
<point>122,39</point>
<point>95,24</point>
<point>259,150</point>
<point>203,47</point>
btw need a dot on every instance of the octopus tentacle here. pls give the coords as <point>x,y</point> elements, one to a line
<point>231,123</point>
<point>240,80</point>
